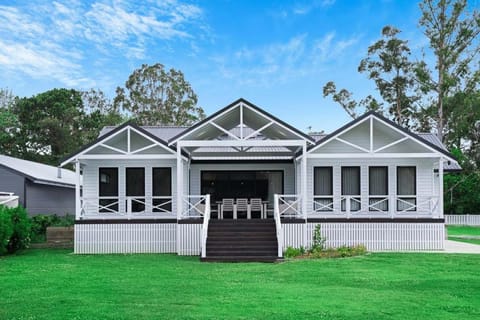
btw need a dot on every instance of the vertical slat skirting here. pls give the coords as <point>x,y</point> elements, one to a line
<point>375,236</point>
<point>190,239</point>
<point>125,238</point>
<point>462,219</point>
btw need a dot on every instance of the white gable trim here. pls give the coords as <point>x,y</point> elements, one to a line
<point>241,105</point>
<point>373,152</point>
<point>129,154</point>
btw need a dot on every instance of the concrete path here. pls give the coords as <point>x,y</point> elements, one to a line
<point>461,247</point>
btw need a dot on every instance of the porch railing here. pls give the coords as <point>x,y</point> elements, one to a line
<point>198,207</point>
<point>376,205</point>
<point>289,205</point>
<point>8,199</point>
<point>127,207</point>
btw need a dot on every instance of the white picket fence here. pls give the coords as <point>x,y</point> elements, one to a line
<point>462,219</point>
<point>375,236</point>
<point>125,238</point>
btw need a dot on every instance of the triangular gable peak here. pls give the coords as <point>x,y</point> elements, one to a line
<point>374,135</point>
<point>241,121</point>
<point>127,141</point>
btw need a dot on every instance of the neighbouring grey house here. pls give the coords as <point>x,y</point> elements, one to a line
<point>42,189</point>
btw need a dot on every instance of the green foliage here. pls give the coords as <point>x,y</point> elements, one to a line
<point>14,229</point>
<point>340,252</point>
<point>292,252</point>
<point>389,66</point>
<point>318,240</point>
<point>158,97</point>
<point>6,228</point>
<point>41,222</point>
<point>20,238</point>
<point>452,31</point>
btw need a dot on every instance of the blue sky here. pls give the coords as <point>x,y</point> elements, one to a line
<point>277,54</point>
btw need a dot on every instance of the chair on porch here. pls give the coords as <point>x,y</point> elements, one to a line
<point>242,206</point>
<point>228,206</point>
<point>256,205</point>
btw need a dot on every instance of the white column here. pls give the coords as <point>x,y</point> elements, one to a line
<point>440,188</point>
<point>304,179</point>
<point>78,207</point>
<point>179,181</point>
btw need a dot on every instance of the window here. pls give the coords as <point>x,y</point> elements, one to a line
<point>323,188</point>
<point>162,190</point>
<point>135,188</point>
<point>406,189</point>
<point>351,188</point>
<point>378,188</point>
<point>108,190</point>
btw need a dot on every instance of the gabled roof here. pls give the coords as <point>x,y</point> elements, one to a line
<point>234,104</point>
<point>111,133</point>
<point>39,172</point>
<point>425,140</point>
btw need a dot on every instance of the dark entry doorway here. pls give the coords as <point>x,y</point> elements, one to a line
<point>242,184</point>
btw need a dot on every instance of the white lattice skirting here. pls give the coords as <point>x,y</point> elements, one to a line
<point>375,236</point>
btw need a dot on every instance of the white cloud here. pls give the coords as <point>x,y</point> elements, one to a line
<point>281,62</point>
<point>55,39</point>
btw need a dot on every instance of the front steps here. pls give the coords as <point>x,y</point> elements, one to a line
<point>252,240</point>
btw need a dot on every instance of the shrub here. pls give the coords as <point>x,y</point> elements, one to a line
<point>291,252</point>
<point>6,228</point>
<point>20,238</point>
<point>41,222</point>
<point>318,240</point>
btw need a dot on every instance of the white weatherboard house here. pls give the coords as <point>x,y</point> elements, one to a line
<point>243,185</point>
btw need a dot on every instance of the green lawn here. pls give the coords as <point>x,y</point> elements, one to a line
<point>458,233</point>
<point>54,284</point>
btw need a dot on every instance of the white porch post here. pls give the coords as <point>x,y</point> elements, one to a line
<point>440,188</point>
<point>78,207</point>
<point>304,179</point>
<point>179,181</point>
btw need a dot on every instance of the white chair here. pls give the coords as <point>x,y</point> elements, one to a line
<point>242,206</point>
<point>229,206</point>
<point>257,206</point>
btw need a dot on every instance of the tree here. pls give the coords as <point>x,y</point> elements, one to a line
<point>387,63</point>
<point>8,122</point>
<point>50,125</point>
<point>99,112</point>
<point>453,35</point>
<point>345,100</point>
<point>155,96</point>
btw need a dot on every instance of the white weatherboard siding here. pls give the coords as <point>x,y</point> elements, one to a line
<point>375,236</point>
<point>287,168</point>
<point>91,171</point>
<point>424,168</point>
<point>125,238</point>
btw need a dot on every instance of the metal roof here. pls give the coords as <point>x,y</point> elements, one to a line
<point>39,172</point>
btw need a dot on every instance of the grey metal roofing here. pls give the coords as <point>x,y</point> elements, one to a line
<point>39,172</point>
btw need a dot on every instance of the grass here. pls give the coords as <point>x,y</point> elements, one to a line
<point>54,284</point>
<point>458,233</point>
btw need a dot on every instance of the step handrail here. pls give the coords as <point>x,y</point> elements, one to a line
<point>278,224</point>
<point>206,219</point>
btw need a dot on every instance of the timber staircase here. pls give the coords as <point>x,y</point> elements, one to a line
<point>252,240</point>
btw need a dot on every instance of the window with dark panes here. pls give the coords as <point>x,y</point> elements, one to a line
<point>351,188</point>
<point>323,188</point>
<point>108,190</point>
<point>162,190</point>
<point>406,189</point>
<point>378,188</point>
<point>135,188</point>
